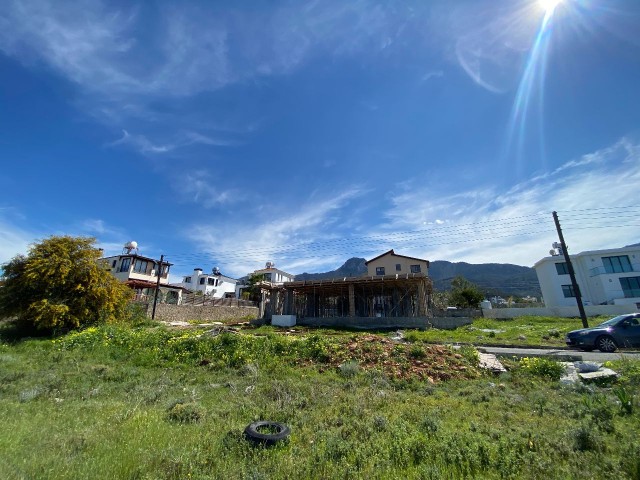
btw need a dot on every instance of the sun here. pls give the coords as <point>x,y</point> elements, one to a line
<point>549,5</point>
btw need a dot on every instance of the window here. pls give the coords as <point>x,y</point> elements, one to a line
<point>187,279</point>
<point>568,291</point>
<point>211,281</point>
<point>140,266</point>
<point>379,270</point>
<point>630,286</point>
<point>562,268</point>
<point>618,264</point>
<point>113,265</point>
<point>415,268</point>
<point>126,263</point>
<point>267,277</point>
<point>202,281</point>
<point>398,267</point>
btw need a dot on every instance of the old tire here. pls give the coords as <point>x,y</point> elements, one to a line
<point>606,344</point>
<point>266,433</point>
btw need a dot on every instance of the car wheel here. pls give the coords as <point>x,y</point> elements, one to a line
<point>606,344</point>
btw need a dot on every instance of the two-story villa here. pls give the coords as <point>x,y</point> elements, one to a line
<point>213,284</point>
<point>609,276</point>
<point>390,263</point>
<point>141,273</point>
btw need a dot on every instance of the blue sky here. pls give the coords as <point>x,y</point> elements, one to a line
<point>229,134</point>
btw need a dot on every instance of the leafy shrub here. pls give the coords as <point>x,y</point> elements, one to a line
<point>412,336</point>
<point>585,439</point>
<point>188,412</point>
<point>470,354</point>
<point>61,285</point>
<point>626,399</point>
<point>542,367</point>
<point>430,425</point>
<point>416,351</point>
<point>554,333</point>
<point>349,369</point>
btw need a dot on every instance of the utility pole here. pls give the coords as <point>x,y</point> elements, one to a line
<point>155,296</point>
<point>572,273</point>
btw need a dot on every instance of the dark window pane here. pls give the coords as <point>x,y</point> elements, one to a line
<point>619,264</point>
<point>630,286</point>
<point>568,291</point>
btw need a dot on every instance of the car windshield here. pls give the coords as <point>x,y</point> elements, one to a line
<point>612,321</point>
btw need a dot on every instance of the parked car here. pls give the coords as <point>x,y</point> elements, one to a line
<point>620,331</point>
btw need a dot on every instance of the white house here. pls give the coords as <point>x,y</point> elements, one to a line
<point>141,273</point>
<point>609,276</point>
<point>213,284</point>
<point>270,274</point>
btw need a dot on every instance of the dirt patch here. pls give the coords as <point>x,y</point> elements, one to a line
<point>432,363</point>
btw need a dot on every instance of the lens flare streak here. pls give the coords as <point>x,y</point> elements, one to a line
<point>533,76</point>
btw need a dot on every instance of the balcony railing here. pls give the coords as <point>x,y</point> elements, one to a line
<point>594,272</point>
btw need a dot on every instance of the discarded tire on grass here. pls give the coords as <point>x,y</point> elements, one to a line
<point>266,433</point>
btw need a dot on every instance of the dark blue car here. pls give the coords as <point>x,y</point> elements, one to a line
<point>618,332</point>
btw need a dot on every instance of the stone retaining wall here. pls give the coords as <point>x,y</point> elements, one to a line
<point>185,313</point>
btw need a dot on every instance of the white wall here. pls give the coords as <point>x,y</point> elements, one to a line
<point>567,312</point>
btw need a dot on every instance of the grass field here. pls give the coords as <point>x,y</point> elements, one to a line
<point>523,331</point>
<point>116,402</point>
<point>545,331</point>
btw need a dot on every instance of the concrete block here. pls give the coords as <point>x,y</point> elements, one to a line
<point>283,320</point>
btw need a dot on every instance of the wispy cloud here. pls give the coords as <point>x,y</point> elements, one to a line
<point>491,39</point>
<point>487,225</point>
<point>144,145</point>
<point>284,234</point>
<point>141,144</point>
<point>13,240</point>
<point>432,74</point>
<point>201,188</point>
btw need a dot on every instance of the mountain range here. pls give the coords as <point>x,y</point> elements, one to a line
<point>492,278</point>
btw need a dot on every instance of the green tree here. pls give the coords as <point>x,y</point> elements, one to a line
<point>464,294</point>
<point>61,284</point>
<point>253,291</point>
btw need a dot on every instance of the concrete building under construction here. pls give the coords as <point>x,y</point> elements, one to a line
<point>395,286</point>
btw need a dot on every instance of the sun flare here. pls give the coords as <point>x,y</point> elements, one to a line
<point>549,5</point>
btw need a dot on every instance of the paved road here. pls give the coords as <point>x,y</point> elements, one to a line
<point>565,355</point>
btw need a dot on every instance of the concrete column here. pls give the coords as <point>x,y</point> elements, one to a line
<point>287,303</point>
<point>422,299</point>
<point>352,301</point>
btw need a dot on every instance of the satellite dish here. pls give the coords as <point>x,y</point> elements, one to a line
<point>215,271</point>
<point>552,252</point>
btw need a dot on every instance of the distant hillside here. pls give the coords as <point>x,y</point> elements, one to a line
<point>354,267</point>
<point>492,278</point>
